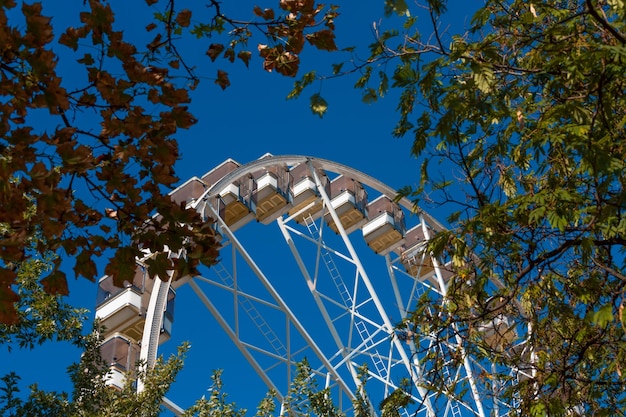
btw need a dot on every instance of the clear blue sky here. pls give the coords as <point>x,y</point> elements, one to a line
<point>244,122</point>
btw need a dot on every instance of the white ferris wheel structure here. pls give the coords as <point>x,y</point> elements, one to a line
<point>352,265</point>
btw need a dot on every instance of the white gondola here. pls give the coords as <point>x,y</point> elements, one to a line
<point>122,309</point>
<point>234,203</point>
<point>303,193</point>
<point>270,193</point>
<point>415,259</point>
<point>349,200</point>
<point>120,353</point>
<point>385,229</point>
<point>189,191</point>
<point>497,330</point>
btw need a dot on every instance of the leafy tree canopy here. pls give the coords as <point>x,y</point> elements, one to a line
<point>42,316</point>
<point>519,120</point>
<point>89,113</point>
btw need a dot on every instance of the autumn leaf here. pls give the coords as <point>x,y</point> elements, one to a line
<point>56,283</point>
<point>184,17</point>
<point>276,58</point>
<point>323,40</point>
<point>39,30</point>
<point>159,266</point>
<point>222,79</point>
<point>295,42</point>
<point>215,49</point>
<point>183,118</point>
<point>69,38</point>
<point>230,54</point>
<point>85,266</point>
<point>266,14</point>
<point>122,265</point>
<point>8,313</point>
<point>124,150</point>
<point>245,56</point>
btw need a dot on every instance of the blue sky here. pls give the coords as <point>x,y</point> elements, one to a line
<point>250,118</point>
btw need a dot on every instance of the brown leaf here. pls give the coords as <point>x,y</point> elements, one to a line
<point>323,39</point>
<point>215,49</point>
<point>230,54</point>
<point>156,42</point>
<point>295,42</point>
<point>8,298</point>
<point>55,283</point>
<point>184,17</point>
<point>69,38</point>
<point>7,276</point>
<point>222,79</point>
<point>122,265</point>
<point>38,28</point>
<point>85,266</point>
<point>182,117</point>
<point>159,265</point>
<point>266,14</point>
<point>287,64</point>
<point>245,56</point>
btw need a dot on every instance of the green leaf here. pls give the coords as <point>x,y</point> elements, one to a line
<point>604,316</point>
<point>301,84</point>
<point>318,105</point>
<point>484,78</point>
<point>369,96</point>
<point>364,79</point>
<point>337,68</point>
<point>398,7</point>
<point>383,87</point>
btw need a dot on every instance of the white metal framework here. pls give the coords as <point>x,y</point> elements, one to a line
<point>350,269</point>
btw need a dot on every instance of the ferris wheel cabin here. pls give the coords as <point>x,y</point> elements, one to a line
<point>121,311</point>
<point>385,231</point>
<point>304,197</point>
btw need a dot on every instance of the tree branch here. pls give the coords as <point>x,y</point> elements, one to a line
<point>594,13</point>
<point>609,270</point>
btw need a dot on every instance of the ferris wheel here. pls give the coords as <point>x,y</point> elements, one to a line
<point>348,268</point>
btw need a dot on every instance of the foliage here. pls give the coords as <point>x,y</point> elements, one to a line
<point>304,398</point>
<point>89,113</point>
<point>92,396</point>
<point>522,119</point>
<point>42,316</point>
<point>216,405</point>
